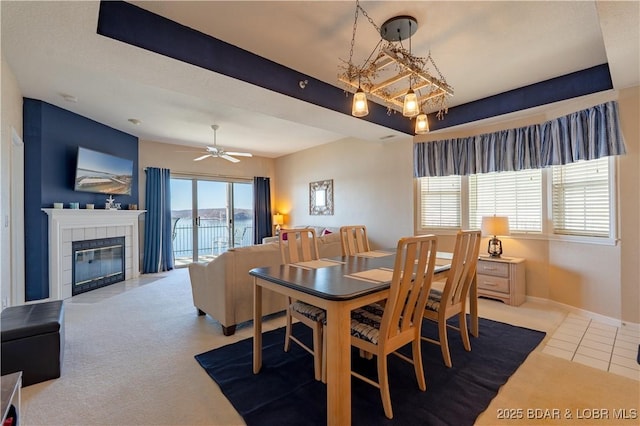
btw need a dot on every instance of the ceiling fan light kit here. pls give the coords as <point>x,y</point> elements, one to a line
<point>218,152</point>
<point>384,78</point>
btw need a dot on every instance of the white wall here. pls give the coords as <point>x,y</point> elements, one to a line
<point>11,261</point>
<point>629,200</point>
<point>156,154</point>
<point>372,184</point>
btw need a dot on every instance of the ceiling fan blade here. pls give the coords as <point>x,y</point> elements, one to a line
<point>227,157</point>
<point>202,157</point>
<point>239,154</point>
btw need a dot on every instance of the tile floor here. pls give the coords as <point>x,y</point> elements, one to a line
<point>596,344</point>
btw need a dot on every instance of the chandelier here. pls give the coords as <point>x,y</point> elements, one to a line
<point>398,79</point>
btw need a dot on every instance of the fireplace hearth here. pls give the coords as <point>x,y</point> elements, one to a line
<point>97,263</point>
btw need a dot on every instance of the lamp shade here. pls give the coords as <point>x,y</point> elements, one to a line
<point>359,107</point>
<point>422,124</point>
<point>410,107</point>
<point>495,225</point>
<point>278,219</point>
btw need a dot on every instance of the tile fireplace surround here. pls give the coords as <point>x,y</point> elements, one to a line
<point>68,225</point>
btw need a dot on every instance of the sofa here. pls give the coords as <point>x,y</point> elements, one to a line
<point>223,288</point>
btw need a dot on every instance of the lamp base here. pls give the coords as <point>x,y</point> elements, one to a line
<point>495,247</point>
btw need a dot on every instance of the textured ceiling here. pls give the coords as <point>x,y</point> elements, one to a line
<point>482,48</point>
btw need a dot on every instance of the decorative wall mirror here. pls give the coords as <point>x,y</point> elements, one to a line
<point>321,197</point>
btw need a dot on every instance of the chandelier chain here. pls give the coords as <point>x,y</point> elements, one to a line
<point>364,12</point>
<point>353,35</point>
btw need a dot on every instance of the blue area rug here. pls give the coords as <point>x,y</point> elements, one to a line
<point>285,392</point>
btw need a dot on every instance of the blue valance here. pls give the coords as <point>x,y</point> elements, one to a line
<point>584,135</point>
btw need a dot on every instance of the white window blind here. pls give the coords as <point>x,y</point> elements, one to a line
<point>581,198</point>
<point>439,202</point>
<point>517,195</point>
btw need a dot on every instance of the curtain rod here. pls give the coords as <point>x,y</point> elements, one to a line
<point>191,174</point>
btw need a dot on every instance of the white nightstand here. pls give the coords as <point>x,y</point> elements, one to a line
<point>502,278</point>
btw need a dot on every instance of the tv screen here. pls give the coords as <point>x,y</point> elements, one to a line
<point>103,173</point>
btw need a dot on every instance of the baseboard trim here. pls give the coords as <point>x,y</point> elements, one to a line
<point>616,322</point>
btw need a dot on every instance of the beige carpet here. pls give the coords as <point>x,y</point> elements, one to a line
<point>129,360</point>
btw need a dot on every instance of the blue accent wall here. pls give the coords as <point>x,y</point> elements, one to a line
<point>52,136</point>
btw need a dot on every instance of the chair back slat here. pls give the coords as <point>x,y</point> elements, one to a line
<point>300,245</point>
<point>463,267</point>
<point>410,285</point>
<point>354,239</point>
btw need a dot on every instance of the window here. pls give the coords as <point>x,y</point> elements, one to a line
<point>580,201</point>
<point>514,194</point>
<point>439,202</point>
<point>581,198</point>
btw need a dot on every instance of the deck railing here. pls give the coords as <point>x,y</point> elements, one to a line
<point>213,237</point>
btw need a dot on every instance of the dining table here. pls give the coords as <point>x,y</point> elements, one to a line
<point>338,285</point>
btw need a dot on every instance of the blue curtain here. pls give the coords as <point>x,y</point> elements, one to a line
<point>261,209</point>
<point>158,251</point>
<point>584,135</point>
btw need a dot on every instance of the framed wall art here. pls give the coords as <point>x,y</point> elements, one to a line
<point>321,198</point>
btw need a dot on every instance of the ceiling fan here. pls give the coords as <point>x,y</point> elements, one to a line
<point>219,152</point>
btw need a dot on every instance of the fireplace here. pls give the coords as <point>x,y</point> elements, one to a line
<point>97,263</point>
<point>69,225</point>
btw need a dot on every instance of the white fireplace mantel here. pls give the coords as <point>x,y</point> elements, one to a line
<point>68,225</point>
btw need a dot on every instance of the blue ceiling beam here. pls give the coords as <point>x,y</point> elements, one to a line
<point>573,85</point>
<point>135,26</point>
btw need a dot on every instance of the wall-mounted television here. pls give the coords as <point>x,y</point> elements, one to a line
<point>103,173</point>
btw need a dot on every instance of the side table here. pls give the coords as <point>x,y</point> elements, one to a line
<point>502,278</point>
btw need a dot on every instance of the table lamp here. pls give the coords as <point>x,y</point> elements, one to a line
<point>495,225</point>
<point>278,220</point>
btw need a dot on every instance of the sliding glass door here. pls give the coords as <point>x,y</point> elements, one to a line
<point>209,217</point>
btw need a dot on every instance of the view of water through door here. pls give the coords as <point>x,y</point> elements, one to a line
<point>209,217</point>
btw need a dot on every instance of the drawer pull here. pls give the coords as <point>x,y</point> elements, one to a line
<point>488,283</point>
<point>489,269</point>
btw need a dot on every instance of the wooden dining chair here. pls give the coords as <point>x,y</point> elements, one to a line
<point>452,299</point>
<point>383,330</point>
<point>354,239</point>
<point>300,245</point>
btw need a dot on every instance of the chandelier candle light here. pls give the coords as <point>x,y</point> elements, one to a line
<point>384,78</point>
<point>495,225</point>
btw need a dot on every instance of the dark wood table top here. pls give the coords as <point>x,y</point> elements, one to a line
<point>332,280</point>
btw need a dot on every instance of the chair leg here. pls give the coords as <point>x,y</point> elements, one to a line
<point>324,357</point>
<point>287,333</point>
<point>383,380</point>
<point>444,342</point>
<point>317,350</point>
<point>464,331</point>
<point>416,351</point>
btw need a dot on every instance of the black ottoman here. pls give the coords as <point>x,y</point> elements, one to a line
<point>33,341</point>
